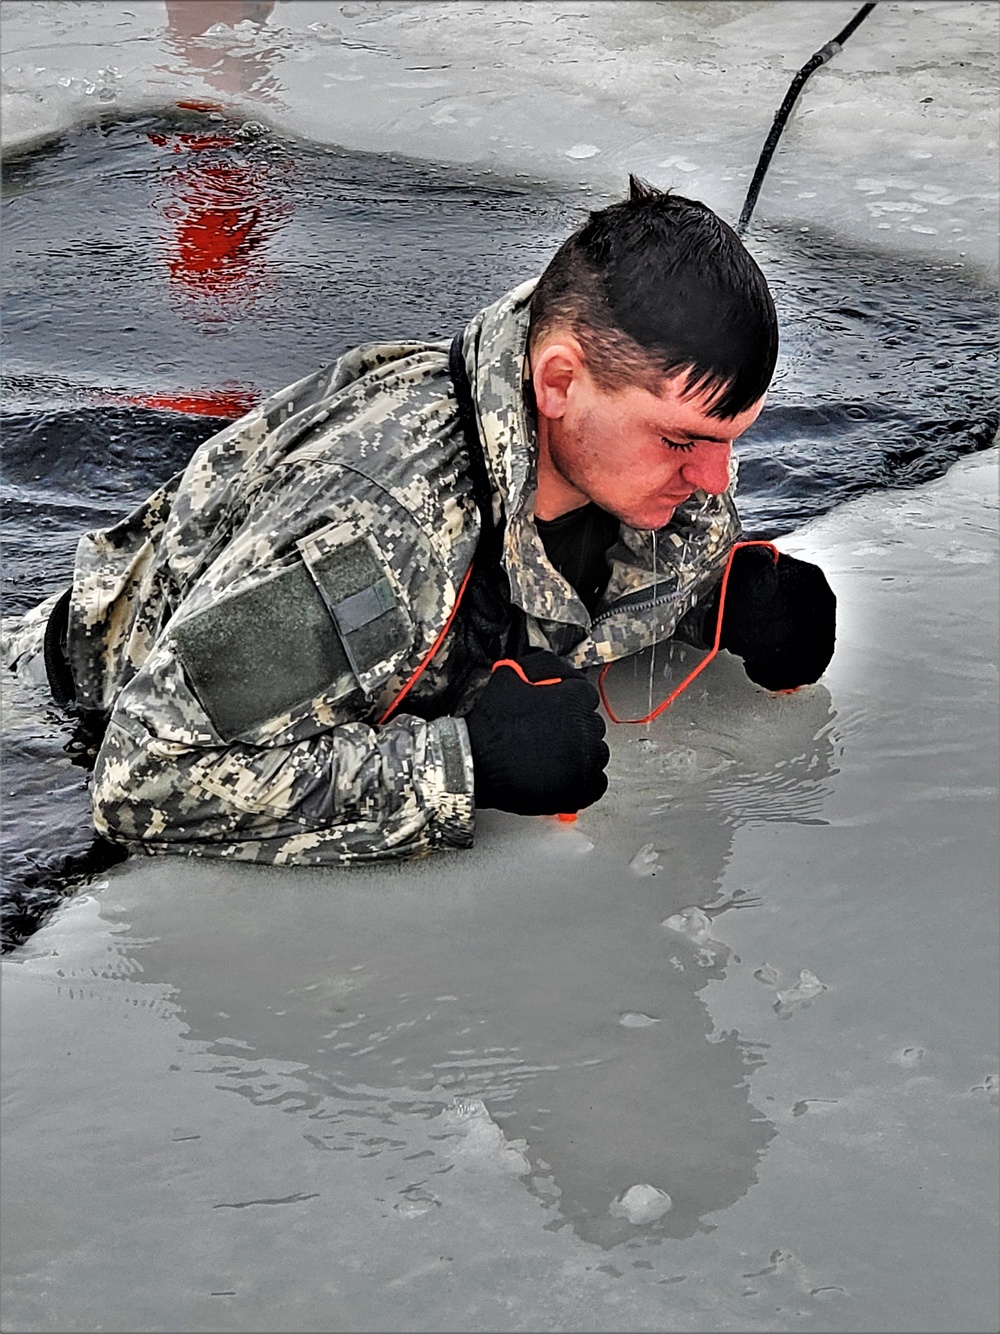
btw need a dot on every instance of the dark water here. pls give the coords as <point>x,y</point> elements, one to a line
<point>192,263</point>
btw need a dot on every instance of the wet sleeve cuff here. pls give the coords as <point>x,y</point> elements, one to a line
<point>450,782</point>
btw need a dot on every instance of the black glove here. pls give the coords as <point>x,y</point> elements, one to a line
<point>780,617</point>
<point>538,749</point>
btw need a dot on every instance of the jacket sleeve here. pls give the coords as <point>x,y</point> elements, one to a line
<point>251,731</point>
<point>353,791</point>
<point>314,571</point>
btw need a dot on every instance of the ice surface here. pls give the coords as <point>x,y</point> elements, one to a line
<point>646,861</point>
<point>236,1096</point>
<point>478,1140</point>
<point>908,1057</point>
<point>766,974</point>
<point>694,923</point>
<point>632,1019</point>
<point>895,141</point>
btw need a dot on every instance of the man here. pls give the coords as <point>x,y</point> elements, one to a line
<point>364,608</point>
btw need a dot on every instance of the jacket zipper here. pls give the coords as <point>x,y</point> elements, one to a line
<point>623,604</point>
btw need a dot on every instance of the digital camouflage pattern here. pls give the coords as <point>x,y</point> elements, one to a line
<point>323,537</point>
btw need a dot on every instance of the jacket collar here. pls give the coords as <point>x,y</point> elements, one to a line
<point>667,569</point>
<point>496,357</point>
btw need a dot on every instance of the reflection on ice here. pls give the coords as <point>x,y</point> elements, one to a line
<point>524,986</point>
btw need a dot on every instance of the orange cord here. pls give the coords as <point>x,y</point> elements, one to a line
<point>433,649</point>
<point>554,680</point>
<point>704,662</point>
<point>516,667</point>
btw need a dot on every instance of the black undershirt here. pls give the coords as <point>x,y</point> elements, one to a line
<point>576,543</point>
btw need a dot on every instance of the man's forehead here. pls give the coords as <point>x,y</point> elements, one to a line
<point>689,413</point>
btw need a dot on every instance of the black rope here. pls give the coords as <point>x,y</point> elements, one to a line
<point>481,489</point>
<point>785,110</point>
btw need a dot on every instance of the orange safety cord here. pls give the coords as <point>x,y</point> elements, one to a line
<point>704,662</point>
<point>516,667</point>
<point>569,817</point>
<point>501,662</point>
<point>430,654</point>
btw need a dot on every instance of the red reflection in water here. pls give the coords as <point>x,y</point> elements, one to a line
<point>192,18</point>
<point>222,210</point>
<point>230,403</point>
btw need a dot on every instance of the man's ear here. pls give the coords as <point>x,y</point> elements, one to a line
<point>554,368</point>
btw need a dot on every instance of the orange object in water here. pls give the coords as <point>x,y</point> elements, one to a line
<point>198,104</point>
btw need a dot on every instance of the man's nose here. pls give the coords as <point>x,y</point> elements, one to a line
<point>707,468</point>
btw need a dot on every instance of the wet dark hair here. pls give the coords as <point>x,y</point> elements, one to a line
<point>657,285</point>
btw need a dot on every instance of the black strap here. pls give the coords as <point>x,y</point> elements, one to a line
<point>486,624</point>
<point>57,667</point>
<point>481,490</point>
<point>487,627</point>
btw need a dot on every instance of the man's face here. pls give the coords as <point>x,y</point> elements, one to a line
<point>636,454</point>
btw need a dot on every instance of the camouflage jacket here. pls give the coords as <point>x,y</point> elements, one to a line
<point>249,625</point>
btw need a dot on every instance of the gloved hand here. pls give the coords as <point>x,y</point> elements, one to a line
<point>780,617</point>
<point>538,749</point>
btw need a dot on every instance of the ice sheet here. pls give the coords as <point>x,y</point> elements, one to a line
<point>425,1097</point>
<point>894,142</point>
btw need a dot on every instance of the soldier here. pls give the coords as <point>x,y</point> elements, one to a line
<point>366,607</point>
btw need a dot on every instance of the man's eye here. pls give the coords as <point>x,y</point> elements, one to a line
<point>683,445</point>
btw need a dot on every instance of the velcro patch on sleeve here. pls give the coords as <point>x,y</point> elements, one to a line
<point>262,651</point>
<point>326,625</point>
<point>363,598</point>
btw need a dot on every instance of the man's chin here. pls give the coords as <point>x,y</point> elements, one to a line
<point>653,518</point>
